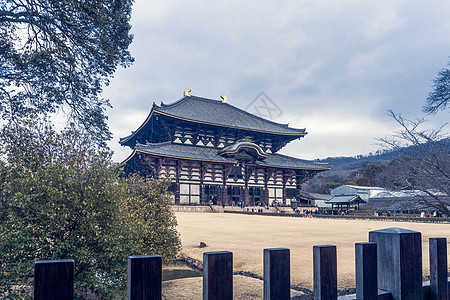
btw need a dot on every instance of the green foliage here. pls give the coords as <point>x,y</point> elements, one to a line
<point>58,54</point>
<point>61,198</point>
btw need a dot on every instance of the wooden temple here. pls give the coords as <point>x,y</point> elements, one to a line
<point>213,151</point>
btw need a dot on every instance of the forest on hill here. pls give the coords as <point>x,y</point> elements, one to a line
<point>381,169</point>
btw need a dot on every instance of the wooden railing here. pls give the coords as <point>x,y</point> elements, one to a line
<point>389,266</point>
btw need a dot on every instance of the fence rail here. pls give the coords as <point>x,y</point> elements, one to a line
<point>389,266</point>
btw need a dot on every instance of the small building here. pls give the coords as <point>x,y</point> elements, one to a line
<point>315,199</point>
<point>214,152</point>
<point>365,192</point>
<point>346,202</point>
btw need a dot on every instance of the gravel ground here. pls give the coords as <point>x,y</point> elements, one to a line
<point>246,236</point>
<point>244,288</point>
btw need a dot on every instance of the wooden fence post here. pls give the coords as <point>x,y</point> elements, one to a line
<point>366,271</point>
<point>145,277</point>
<point>218,275</point>
<point>277,274</point>
<point>438,269</point>
<point>325,272</point>
<point>53,279</point>
<point>399,256</point>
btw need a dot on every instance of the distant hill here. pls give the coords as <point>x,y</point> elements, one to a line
<point>348,164</point>
<point>355,170</point>
<point>351,163</point>
<point>366,170</point>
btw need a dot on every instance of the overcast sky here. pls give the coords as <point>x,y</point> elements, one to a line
<point>332,67</point>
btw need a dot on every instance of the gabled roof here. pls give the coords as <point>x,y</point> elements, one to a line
<point>289,162</point>
<point>346,199</point>
<point>188,152</point>
<point>316,196</point>
<point>359,187</point>
<point>169,149</point>
<point>215,112</point>
<point>236,147</point>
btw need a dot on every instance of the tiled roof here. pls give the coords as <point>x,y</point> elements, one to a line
<point>223,114</point>
<point>170,149</point>
<point>189,152</point>
<point>240,145</point>
<point>342,199</point>
<point>283,161</point>
<point>316,196</point>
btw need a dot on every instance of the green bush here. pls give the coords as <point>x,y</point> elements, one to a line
<point>61,197</point>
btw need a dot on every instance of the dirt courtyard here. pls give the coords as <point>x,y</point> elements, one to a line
<point>247,235</point>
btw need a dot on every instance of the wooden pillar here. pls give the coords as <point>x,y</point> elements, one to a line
<point>202,188</point>
<point>225,173</point>
<point>246,190</point>
<point>53,279</point>
<point>298,183</point>
<point>284,179</point>
<point>399,256</point>
<point>277,282</point>
<point>438,269</point>
<point>204,167</point>
<point>145,277</point>
<point>158,166</point>
<point>218,275</point>
<point>366,271</point>
<point>179,166</point>
<point>266,187</point>
<point>325,272</point>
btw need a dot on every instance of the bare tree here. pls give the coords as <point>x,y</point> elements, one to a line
<point>439,98</point>
<point>424,163</point>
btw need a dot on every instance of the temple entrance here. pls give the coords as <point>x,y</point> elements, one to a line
<point>256,195</point>
<point>212,193</point>
<point>234,194</point>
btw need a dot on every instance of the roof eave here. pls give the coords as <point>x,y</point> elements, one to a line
<point>124,141</point>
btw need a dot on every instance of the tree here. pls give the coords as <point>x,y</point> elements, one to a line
<point>62,198</point>
<point>439,98</point>
<point>424,164</point>
<point>58,54</point>
<point>366,175</point>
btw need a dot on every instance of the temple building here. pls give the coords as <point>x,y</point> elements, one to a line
<point>213,151</point>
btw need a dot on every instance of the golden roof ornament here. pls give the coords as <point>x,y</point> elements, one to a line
<point>186,93</point>
<point>224,99</point>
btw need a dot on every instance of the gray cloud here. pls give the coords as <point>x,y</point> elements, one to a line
<point>321,61</point>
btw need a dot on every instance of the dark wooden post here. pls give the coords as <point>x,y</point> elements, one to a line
<point>438,269</point>
<point>366,271</point>
<point>266,187</point>
<point>399,256</point>
<point>277,272</point>
<point>246,193</point>
<point>298,187</point>
<point>177,182</point>
<point>325,272</point>
<point>53,279</point>
<point>145,277</point>
<point>225,173</point>
<point>218,275</point>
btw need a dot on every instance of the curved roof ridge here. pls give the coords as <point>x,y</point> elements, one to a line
<point>154,144</point>
<point>188,98</point>
<point>163,106</point>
